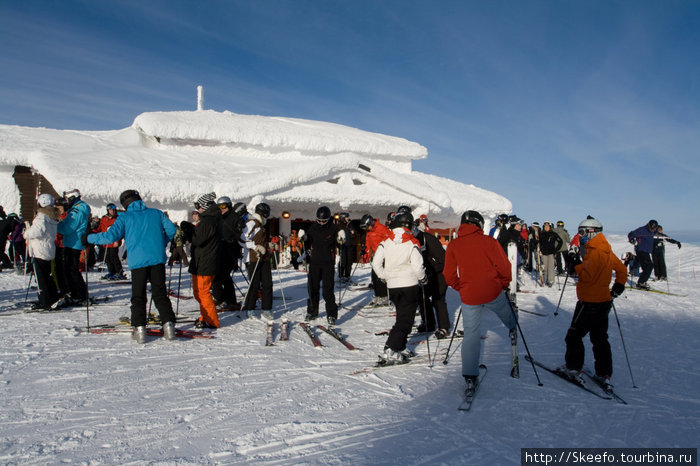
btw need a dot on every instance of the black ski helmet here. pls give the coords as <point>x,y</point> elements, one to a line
<point>473,217</point>
<point>323,214</point>
<point>366,222</point>
<point>263,210</point>
<point>129,196</point>
<point>240,208</point>
<point>560,223</point>
<point>402,219</point>
<point>404,209</point>
<point>111,206</point>
<point>653,225</point>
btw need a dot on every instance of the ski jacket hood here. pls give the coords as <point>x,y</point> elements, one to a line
<point>476,266</point>
<point>595,272</point>
<point>145,231</point>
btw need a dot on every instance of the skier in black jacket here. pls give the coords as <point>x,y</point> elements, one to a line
<point>230,228</point>
<point>433,295</point>
<point>321,241</point>
<point>658,254</point>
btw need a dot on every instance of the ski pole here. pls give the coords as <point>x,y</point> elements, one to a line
<point>170,277</point>
<point>252,276</point>
<point>26,295</point>
<point>349,281</point>
<point>427,340</point>
<point>624,347</point>
<point>454,332</point>
<point>246,278</point>
<point>87,294</point>
<point>279,278</point>
<point>517,323</point>
<point>556,311</point>
<point>179,276</point>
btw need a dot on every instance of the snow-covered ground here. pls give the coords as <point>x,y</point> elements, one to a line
<point>71,397</point>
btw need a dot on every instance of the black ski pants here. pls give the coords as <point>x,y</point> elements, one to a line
<point>159,293</point>
<point>347,256</point>
<point>318,273</point>
<point>433,298</point>
<point>71,270</point>
<point>260,280</point>
<point>378,285</point>
<point>45,282</point>
<point>4,258</point>
<point>406,302</point>
<point>590,318</point>
<point>114,265</point>
<point>60,270</point>
<point>658,256</point>
<point>647,265</point>
<point>223,289</point>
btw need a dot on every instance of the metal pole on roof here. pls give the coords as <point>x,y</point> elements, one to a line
<point>200,98</point>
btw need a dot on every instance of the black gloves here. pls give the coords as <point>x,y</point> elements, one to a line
<point>187,231</point>
<point>679,245</point>
<point>617,289</point>
<point>574,260</point>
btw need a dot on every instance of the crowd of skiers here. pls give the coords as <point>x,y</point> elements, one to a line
<point>410,267</point>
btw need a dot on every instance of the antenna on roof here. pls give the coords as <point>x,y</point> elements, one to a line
<point>200,98</point>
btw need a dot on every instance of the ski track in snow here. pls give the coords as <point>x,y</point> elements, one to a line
<point>74,397</point>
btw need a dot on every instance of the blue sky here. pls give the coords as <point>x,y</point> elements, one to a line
<point>567,108</point>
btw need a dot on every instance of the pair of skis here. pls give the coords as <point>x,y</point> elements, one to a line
<point>270,331</point>
<point>156,332</point>
<point>608,394</point>
<point>336,334</point>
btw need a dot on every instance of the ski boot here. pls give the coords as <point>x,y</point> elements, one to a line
<point>139,334</point>
<point>169,331</point>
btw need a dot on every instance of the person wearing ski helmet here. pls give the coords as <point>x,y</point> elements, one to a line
<point>74,227</point>
<point>322,239</point>
<point>398,262</point>
<point>595,271</point>
<point>111,251</point>
<point>375,233</point>
<point>146,232</point>
<point>223,289</point>
<point>6,227</point>
<point>41,243</point>
<point>658,255</point>
<point>433,296</point>
<point>643,240</point>
<point>205,241</point>
<point>254,239</point>
<point>476,267</point>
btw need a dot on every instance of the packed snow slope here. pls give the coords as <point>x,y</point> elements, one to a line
<point>72,397</point>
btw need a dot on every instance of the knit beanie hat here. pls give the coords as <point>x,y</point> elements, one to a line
<point>206,200</point>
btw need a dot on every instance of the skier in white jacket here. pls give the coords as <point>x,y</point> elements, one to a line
<point>41,246</point>
<point>399,262</point>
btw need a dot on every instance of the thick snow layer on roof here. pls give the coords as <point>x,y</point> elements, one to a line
<point>315,137</point>
<point>321,163</point>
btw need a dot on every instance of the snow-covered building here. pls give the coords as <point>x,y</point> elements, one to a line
<point>292,164</point>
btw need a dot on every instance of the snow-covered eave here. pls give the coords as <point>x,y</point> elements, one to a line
<point>210,128</point>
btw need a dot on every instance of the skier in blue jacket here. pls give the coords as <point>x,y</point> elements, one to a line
<point>73,227</point>
<point>643,240</point>
<point>146,232</point>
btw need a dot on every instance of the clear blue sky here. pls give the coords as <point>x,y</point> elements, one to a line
<point>567,108</point>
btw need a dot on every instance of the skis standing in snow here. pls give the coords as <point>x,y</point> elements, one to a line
<point>146,232</point>
<point>398,261</point>
<point>476,266</point>
<point>321,242</point>
<point>594,300</point>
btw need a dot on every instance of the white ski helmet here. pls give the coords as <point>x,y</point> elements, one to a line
<point>45,200</point>
<point>590,227</point>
